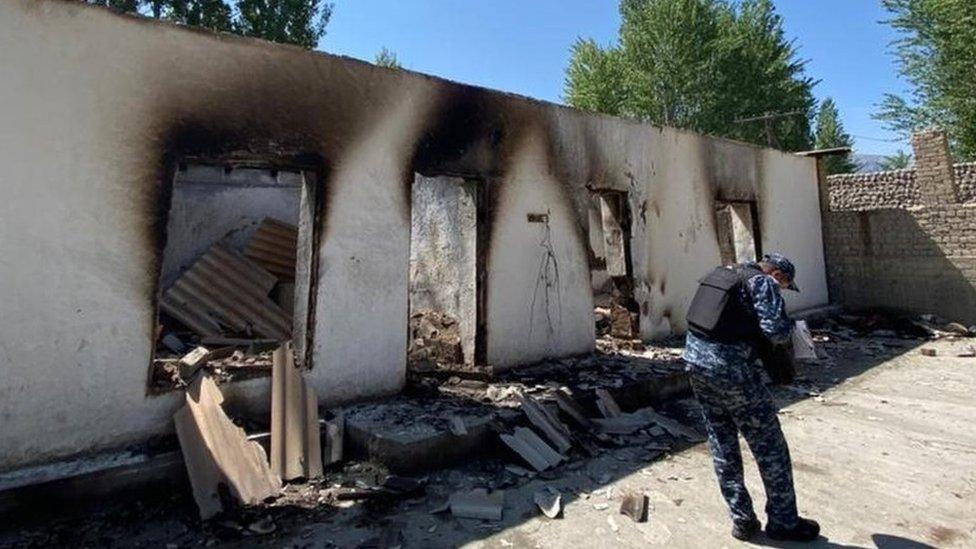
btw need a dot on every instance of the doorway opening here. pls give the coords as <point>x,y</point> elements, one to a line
<point>616,311</point>
<point>446,280</point>
<point>238,269</point>
<point>737,230</point>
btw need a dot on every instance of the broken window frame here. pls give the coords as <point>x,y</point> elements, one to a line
<point>311,207</point>
<point>725,230</point>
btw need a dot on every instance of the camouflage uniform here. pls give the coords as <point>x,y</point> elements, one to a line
<point>726,379</point>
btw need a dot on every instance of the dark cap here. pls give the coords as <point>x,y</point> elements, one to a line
<point>780,262</point>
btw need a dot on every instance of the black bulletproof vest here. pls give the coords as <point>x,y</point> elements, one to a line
<point>717,313</point>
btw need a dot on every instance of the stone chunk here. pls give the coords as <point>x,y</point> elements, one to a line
<point>478,504</point>
<point>549,501</point>
<point>634,506</point>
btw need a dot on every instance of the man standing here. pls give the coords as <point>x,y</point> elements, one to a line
<point>733,311</point>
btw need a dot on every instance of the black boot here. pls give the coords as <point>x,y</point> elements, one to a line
<point>745,530</point>
<point>805,530</point>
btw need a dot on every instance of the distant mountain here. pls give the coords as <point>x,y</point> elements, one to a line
<point>869,162</point>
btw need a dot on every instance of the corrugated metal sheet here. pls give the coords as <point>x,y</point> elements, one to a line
<point>273,247</point>
<point>296,447</point>
<point>224,292</point>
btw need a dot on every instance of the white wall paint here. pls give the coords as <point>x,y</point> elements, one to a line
<point>538,305</point>
<point>790,218</point>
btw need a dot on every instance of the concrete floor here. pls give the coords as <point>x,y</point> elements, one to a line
<point>886,458</point>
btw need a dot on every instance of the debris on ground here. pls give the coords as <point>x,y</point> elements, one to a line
<point>635,506</point>
<point>457,426</point>
<point>435,338</point>
<point>928,351</point>
<point>527,404</point>
<point>478,504</point>
<point>219,458</point>
<point>607,405</point>
<point>549,501</point>
<point>334,428</point>
<point>548,423</point>
<point>532,449</point>
<point>262,527</point>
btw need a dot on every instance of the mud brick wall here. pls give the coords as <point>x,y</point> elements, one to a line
<point>911,247</point>
<point>892,189</point>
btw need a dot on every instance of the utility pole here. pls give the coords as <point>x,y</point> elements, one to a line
<point>767,120</point>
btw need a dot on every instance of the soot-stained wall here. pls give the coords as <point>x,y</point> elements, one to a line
<point>98,108</point>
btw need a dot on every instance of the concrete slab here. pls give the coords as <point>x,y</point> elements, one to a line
<point>402,437</point>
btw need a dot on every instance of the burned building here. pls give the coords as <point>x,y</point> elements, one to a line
<point>135,152</point>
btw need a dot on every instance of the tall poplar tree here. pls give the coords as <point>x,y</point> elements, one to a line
<point>830,134</point>
<point>703,65</point>
<point>937,55</point>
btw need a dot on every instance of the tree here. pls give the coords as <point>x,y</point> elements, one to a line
<point>118,5</point>
<point>898,161</point>
<point>830,133</point>
<point>935,54</point>
<point>701,65</point>
<point>387,58</point>
<point>210,14</point>
<point>300,22</point>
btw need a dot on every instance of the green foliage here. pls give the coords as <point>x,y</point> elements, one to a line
<point>936,54</point>
<point>898,161</point>
<point>830,133</point>
<point>210,14</point>
<point>118,5</point>
<point>300,22</point>
<point>699,65</point>
<point>387,58</point>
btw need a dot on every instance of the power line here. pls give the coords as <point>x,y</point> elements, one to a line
<point>902,140</point>
<point>767,120</point>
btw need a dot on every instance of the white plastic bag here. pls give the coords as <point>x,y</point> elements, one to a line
<point>803,348</point>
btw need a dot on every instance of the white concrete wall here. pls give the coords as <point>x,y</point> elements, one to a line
<point>790,224</point>
<point>540,300</point>
<point>93,105</point>
<point>443,244</point>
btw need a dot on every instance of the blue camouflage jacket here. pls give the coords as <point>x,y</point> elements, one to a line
<point>761,295</point>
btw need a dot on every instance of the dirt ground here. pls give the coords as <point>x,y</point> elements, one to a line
<point>882,437</point>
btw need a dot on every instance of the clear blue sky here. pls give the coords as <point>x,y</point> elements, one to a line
<point>522,46</point>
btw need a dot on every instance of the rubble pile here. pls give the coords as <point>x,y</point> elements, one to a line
<point>435,339</point>
<point>228,309</point>
<point>564,428</point>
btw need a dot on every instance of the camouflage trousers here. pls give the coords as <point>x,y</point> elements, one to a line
<point>744,405</point>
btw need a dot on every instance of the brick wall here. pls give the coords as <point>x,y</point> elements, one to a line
<point>905,241</point>
<point>892,189</point>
